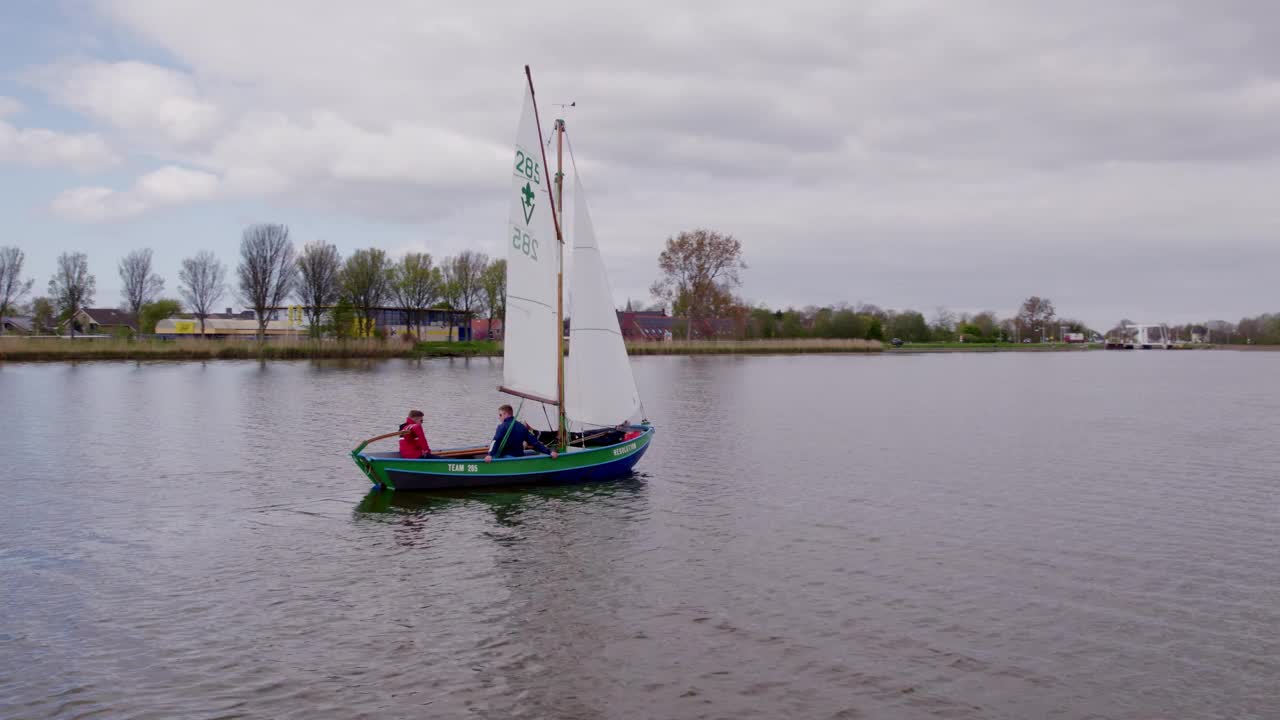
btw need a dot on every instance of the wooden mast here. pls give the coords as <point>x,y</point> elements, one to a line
<point>559,208</point>
<point>555,218</point>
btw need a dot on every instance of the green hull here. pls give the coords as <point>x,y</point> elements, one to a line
<point>576,465</point>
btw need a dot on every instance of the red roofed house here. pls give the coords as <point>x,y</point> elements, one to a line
<point>103,321</point>
<point>646,325</point>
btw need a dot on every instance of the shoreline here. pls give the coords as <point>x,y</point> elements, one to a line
<point>62,349</point>
<point>927,348</point>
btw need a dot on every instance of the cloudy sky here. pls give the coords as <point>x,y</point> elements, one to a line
<point>1122,158</point>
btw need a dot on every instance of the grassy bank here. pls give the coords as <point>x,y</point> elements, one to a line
<point>54,349</point>
<point>457,349</point>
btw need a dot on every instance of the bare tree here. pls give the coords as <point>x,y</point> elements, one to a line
<point>494,282</point>
<point>871,310</point>
<point>141,286</point>
<point>944,325</point>
<point>12,287</point>
<point>415,284</point>
<point>203,281</point>
<point>72,287</point>
<point>1036,314</point>
<point>463,281</point>
<point>944,318</point>
<point>1221,331</point>
<point>267,269</point>
<point>366,280</point>
<point>699,268</point>
<point>1009,329</point>
<point>319,280</point>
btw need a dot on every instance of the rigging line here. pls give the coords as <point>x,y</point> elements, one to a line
<point>530,300</point>
<point>546,171</point>
<point>577,179</point>
<point>584,329</point>
<point>586,424</point>
<point>572,160</point>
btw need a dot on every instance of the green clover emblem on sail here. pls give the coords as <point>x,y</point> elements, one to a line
<point>527,199</point>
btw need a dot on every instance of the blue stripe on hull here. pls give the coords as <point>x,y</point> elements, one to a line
<point>611,470</point>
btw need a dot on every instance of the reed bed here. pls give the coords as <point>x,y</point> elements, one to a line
<point>797,346</point>
<point>200,349</point>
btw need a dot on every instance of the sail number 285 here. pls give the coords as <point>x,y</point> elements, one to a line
<point>521,241</point>
<point>528,167</point>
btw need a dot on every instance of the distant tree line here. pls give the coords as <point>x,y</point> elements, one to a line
<point>699,273</point>
<point>1263,329</point>
<point>1037,321</point>
<point>270,273</point>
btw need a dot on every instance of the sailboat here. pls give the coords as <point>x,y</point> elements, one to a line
<point>593,395</point>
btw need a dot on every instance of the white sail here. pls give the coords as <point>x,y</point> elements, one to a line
<point>530,330</point>
<point>599,387</point>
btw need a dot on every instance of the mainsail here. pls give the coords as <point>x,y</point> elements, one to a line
<point>600,390</point>
<point>530,329</point>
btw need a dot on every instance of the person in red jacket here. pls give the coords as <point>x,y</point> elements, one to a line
<point>414,445</point>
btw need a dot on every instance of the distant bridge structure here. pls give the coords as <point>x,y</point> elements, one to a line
<point>1145,337</point>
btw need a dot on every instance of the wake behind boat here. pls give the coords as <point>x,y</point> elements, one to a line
<point>594,397</point>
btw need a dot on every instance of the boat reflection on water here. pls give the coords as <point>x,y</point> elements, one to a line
<point>507,505</point>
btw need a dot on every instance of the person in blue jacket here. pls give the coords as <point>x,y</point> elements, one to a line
<point>510,437</point>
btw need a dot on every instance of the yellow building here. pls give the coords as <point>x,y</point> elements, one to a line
<point>222,327</point>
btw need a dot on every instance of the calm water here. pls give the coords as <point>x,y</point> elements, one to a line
<point>1000,536</point>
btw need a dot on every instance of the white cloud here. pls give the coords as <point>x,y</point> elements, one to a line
<point>801,93</point>
<point>175,185</point>
<point>96,204</point>
<point>267,146</point>
<point>326,146</point>
<point>168,186</point>
<point>39,147</point>
<point>134,96</point>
